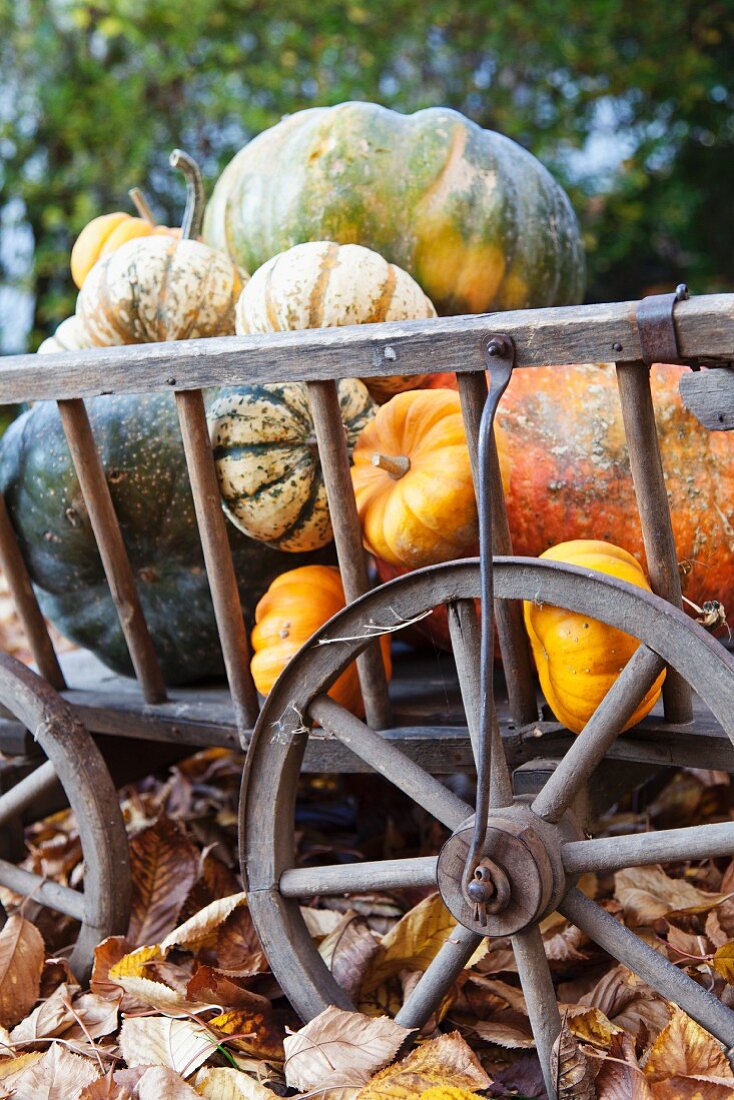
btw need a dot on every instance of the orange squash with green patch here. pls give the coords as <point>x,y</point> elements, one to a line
<point>475,219</point>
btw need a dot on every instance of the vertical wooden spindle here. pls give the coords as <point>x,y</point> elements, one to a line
<point>106,528</point>
<point>218,558</point>
<point>638,414</point>
<point>26,604</point>
<point>514,646</point>
<point>332,444</point>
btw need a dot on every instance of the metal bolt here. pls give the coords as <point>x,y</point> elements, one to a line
<point>497,347</point>
<point>170,381</point>
<point>681,292</point>
<point>616,347</point>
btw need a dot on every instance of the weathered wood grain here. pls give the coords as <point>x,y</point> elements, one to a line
<point>709,395</point>
<point>568,334</point>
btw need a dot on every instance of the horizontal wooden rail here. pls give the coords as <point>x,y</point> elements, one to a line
<point>565,334</point>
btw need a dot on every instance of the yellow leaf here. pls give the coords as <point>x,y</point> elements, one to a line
<point>133,965</point>
<point>684,1058</point>
<point>131,975</point>
<point>724,962</point>
<point>230,1084</point>
<point>414,942</point>
<point>447,1062</point>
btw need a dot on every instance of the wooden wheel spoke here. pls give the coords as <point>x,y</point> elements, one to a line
<point>343,878</point>
<point>439,976</point>
<point>465,642</point>
<point>390,762</point>
<point>540,998</point>
<point>61,898</point>
<point>25,792</point>
<point>667,979</point>
<point>599,733</point>
<point>640,849</point>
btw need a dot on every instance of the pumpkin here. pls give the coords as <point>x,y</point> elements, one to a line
<point>156,288</point>
<point>567,472</point>
<point>475,219</point>
<point>140,446</point>
<point>268,463</point>
<point>69,336</point>
<point>326,285</point>
<point>413,482</point>
<point>105,234</point>
<point>296,604</point>
<point>578,658</point>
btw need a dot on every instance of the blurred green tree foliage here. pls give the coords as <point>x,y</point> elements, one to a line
<point>629,104</point>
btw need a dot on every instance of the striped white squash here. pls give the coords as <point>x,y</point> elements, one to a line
<point>325,285</point>
<point>158,288</point>
<point>268,464</point>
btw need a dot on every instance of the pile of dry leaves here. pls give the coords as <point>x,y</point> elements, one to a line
<point>185,1005</point>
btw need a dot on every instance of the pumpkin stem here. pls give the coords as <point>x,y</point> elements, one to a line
<point>141,205</point>
<point>394,465</point>
<point>195,197</point>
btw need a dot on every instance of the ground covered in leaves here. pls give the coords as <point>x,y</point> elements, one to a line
<point>185,1004</point>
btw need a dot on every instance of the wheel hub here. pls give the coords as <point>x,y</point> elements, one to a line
<point>520,878</point>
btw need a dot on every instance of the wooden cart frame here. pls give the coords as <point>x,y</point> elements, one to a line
<point>410,751</point>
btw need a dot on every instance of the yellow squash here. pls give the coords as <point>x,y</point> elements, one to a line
<point>579,658</point>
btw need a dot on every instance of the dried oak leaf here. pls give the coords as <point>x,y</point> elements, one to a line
<point>686,1062</point>
<point>159,1082</point>
<point>57,1075</point>
<point>340,1048</point>
<point>620,1076</point>
<point>160,1041</point>
<point>446,1061</point>
<point>21,962</point>
<point>571,1069</point>
<point>647,893</point>
<point>164,865</point>
<point>231,1084</point>
<point>414,942</point>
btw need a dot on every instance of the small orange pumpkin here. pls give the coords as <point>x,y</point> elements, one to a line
<point>297,604</point>
<point>413,482</point>
<point>579,658</point>
<point>105,234</point>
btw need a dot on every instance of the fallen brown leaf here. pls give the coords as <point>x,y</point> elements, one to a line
<point>210,985</point>
<point>164,867</point>
<point>258,1033</point>
<point>620,1077</point>
<point>446,1061</point>
<point>21,962</point>
<point>57,1075</point>
<point>231,1084</point>
<point>159,1041</point>
<point>340,1048</point>
<point>687,1058</point>
<point>238,952</point>
<point>106,1088</point>
<point>348,952</point>
<point>198,931</point>
<point>572,1071</point>
<point>647,893</point>
<point>413,942</point>
<point>629,1002</point>
<point>159,1082</point>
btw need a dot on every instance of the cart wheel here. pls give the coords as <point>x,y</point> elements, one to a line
<point>535,846</point>
<point>74,762</point>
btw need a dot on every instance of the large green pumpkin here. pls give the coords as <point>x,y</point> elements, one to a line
<point>474,218</point>
<point>140,446</point>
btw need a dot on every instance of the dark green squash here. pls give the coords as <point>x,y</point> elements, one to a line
<point>140,446</point>
<point>475,219</point>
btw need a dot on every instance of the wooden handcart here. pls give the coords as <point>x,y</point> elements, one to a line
<point>514,857</point>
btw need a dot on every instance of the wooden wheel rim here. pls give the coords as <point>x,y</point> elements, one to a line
<point>84,777</point>
<point>269,783</point>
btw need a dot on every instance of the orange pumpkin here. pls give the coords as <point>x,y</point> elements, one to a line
<point>297,604</point>
<point>105,234</point>
<point>413,482</point>
<point>578,658</point>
